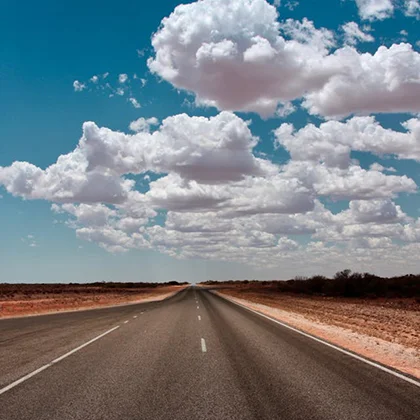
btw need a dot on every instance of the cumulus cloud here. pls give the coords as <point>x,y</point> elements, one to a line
<point>239,45</point>
<point>240,57</point>
<point>351,183</point>
<point>209,150</point>
<point>332,142</point>
<point>412,8</point>
<point>143,124</point>
<point>78,87</point>
<point>374,211</point>
<point>122,78</point>
<point>217,199</point>
<point>353,34</point>
<point>375,9</point>
<point>134,102</point>
<point>387,81</point>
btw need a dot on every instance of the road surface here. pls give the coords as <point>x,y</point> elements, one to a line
<point>192,356</point>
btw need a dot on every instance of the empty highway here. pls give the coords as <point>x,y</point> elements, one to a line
<point>192,356</point>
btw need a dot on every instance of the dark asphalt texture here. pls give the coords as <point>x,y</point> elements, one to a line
<point>153,367</point>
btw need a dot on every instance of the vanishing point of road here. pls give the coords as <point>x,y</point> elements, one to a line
<point>192,356</point>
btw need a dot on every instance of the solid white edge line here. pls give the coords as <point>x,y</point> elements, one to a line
<point>203,346</point>
<point>319,340</point>
<point>35,372</point>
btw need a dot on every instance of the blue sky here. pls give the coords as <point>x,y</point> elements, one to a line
<point>48,46</point>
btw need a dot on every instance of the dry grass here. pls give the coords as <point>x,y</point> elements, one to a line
<point>386,330</point>
<point>31,299</point>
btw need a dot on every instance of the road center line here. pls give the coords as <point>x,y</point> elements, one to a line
<point>199,317</point>
<point>135,316</point>
<point>203,346</point>
<point>35,372</point>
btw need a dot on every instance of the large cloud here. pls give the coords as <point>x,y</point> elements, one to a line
<point>333,141</point>
<point>208,150</point>
<point>351,183</point>
<point>387,81</point>
<point>67,180</point>
<point>212,198</point>
<point>232,55</point>
<point>214,150</point>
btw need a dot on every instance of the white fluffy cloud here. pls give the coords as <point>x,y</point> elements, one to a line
<point>78,86</point>
<point>67,180</point>
<point>375,9</point>
<point>353,34</point>
<point>351,183</point>
<point>237,59</point>
<point>221,201</point>
<point>143,124</point>
<point>209,150</point>
<point>332,142</point>
<point>412,8</point>
<point>387,81</point>
<point>134,102</point>
<point>122,78</point>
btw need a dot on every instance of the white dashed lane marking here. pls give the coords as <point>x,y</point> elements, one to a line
<point>199,317</point>
<point>203,346</point>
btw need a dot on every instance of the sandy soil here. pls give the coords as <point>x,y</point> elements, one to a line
<point>36,303</point>
<point>385,330</point>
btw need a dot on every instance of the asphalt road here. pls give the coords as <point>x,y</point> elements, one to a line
<point>192,356</point>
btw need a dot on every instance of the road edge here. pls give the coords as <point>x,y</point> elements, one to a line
<point>412,380</point>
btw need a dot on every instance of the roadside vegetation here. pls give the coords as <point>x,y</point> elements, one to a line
<point>27,289</point>
<point>343,284</point>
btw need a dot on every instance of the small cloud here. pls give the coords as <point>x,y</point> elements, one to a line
<point>285,110</point>
<point>78,87</point>
<point>30,240</point>
<point>105,75</point>
<point>120,92</point>
<point>378,167</point>
<point>412,8</point>
<point>291,4</point>
<point>94,79</point>
<point>122,78</point>
<point>143,124</point>
<point>353,34</point>
<point>140,53</point>
<point>404,32</point>
<point>134,102</point>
